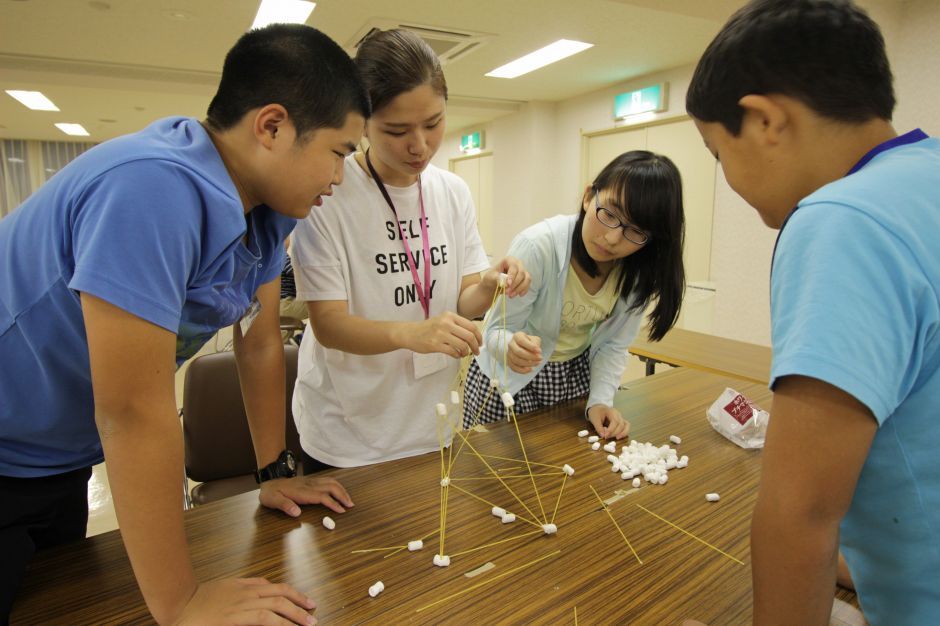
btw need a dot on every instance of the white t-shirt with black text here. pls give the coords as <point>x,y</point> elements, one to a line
<point>353,410</point>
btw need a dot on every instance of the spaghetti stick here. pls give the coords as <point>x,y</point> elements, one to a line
<point>603,504</point>
<point>489,580</point>
<point>491,505</point>
<point>719,550</point>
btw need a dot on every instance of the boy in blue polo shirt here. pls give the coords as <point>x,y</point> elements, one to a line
<point>794,97</point>
<point>120,268</point>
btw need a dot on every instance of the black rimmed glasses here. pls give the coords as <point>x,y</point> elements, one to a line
<point>630,232</point>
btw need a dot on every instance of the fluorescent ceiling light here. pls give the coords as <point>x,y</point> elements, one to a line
<point>283,12</point>
<point>33,99</point>
<point>73,129</point>
<point>540,58</point>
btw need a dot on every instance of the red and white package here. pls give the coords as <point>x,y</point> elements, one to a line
<point>739,419</point>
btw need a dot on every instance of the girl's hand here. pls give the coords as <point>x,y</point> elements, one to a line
<point>608,422</point>
<point>525,352</point>
<point>518,281</point>
<point>447,333</point>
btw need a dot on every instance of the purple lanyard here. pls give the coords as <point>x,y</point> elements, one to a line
<point>424,291</point>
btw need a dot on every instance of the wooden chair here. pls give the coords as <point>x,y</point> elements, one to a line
<point>217,442</point>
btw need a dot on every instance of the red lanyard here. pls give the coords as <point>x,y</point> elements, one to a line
<point>424,292</point>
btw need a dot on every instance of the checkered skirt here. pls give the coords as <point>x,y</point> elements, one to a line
<point>555,383</point>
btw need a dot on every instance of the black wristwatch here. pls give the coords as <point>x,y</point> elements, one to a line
<point>284,467</point>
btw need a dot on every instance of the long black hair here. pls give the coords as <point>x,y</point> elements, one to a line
<point>649,188</point>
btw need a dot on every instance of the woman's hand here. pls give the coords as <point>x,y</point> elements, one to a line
<point>608,422</point>
<point>517,278</point>
<point>447,333</point>
<point>525,352</point>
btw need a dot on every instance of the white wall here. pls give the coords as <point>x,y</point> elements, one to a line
<point>916,63</point>
<point>537,162</point>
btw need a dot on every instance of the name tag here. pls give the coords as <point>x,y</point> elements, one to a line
<point>426,364</point>
<point>249,317</point>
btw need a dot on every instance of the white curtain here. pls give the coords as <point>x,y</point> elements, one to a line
<point>14,175</point>
<point>57,154</point>
<point>25,165</point>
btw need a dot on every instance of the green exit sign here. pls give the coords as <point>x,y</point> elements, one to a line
<point>473,141</point>
<point>646,100</point>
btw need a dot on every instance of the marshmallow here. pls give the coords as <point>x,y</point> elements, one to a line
<point>507,399</point>
<point>329,523</point>
<point>636,483</point>
<point>567,469</point>
<point>509,518</point>
<point>441,561</point>
<point>494,383</point>
<point>550,529</point>
<point>712,497</point>
<point>415,545</point>
<point>582,433</point>
<point>441,409</point>
<point>675,439</point>
<point>376,589</point>
<point>503,277</point>
<point>611,447</point>
<point>445,481</point>
<point>615,467</point>
<point>498,511</point>
<point>454,397</point>
<point>593,438</point>
<point>596,445</point>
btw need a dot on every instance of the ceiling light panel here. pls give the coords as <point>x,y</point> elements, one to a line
<point>283,12</point>
<point>76,130</point>
<point>35,100</point>
<point>551,53</point>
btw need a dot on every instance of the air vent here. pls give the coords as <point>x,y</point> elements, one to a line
<point>447,43</point>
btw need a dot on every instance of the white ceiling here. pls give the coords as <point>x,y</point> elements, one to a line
<point>115,65</point>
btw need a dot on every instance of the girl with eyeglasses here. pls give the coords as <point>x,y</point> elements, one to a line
<point>390,267</point>
<point>594,274</point>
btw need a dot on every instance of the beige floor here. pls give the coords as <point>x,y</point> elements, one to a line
<point>101,518</point>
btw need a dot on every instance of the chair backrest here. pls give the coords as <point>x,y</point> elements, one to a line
<point>216,437</point>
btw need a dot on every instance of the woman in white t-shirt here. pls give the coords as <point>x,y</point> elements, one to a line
<point>390,268</point>
<point>593,275</point>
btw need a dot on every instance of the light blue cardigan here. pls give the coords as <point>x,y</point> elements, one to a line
<point>545,251</point>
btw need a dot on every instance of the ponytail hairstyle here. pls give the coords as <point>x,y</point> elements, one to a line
<point>649,188</point>
<point>392,62</point>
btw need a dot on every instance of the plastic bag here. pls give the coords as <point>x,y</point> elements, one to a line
<point>739,419</point>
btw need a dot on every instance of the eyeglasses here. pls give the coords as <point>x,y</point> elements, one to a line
<point>630,232</point>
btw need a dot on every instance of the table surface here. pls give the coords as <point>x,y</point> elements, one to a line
<point>585,571</point>
<point>726,357</point>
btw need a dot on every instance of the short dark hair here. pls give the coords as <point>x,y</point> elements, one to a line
<point>649,188</point>
<point>295,66</point>
<point>828,54</point>
<point>392,62</point>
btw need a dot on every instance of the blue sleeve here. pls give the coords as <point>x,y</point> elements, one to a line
<point>499,329</point>
<point>844,302</point>
<point>610,358</point>
<point>136,234</point>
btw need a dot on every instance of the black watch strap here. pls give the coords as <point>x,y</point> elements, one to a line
<point>284,467</point>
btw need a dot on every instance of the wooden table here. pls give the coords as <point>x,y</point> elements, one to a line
<point>585,569</point>
<point>710,353</point>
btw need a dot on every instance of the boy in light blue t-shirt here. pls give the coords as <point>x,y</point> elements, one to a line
<point>795,98</point>
<point>120,268</point>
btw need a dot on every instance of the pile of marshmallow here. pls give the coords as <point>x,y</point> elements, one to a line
<point>641,459</point>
